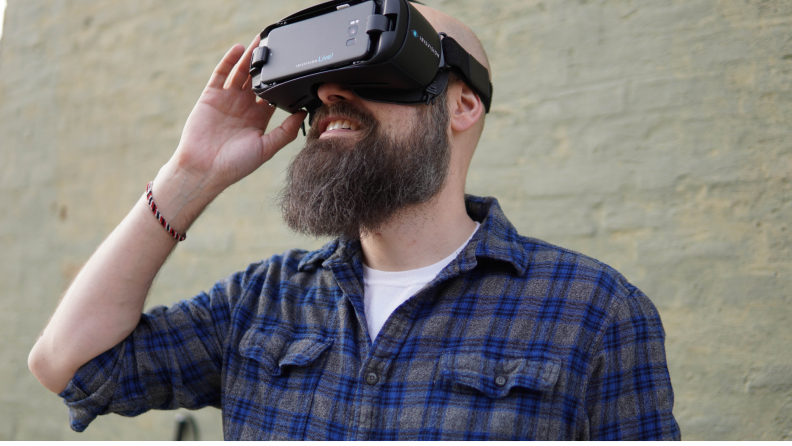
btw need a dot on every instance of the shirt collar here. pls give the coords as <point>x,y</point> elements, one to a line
<point>496,239</point>
<point>338,250</point>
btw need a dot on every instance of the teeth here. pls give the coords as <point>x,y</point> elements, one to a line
<point>342,124</point>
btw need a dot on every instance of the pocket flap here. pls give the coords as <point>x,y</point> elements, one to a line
<point>276,353</point>
<point>497,377</point>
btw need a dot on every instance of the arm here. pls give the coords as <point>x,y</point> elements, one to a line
<point>629,395</point>
<point>223,141</point>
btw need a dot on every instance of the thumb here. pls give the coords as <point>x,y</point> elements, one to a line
<point>285,133</point>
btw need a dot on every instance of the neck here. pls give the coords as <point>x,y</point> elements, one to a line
<point>421,235</point>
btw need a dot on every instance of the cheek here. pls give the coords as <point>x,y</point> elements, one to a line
<point>397,119</point>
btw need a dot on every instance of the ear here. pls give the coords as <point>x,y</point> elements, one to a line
<point>465,106</point>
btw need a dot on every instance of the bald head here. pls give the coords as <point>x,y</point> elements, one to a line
<point>459,31</point>
<point>465,37</point>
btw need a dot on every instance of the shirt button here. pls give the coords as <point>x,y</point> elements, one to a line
<point>500,381</point>
<point>371,378</point>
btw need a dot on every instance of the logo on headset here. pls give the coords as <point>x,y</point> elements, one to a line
<point>320,59</point>
<point>431,48</point>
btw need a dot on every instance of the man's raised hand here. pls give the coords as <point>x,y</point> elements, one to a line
<point>223,141</point>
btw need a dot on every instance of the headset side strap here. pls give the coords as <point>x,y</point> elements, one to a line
<point>475,74</point>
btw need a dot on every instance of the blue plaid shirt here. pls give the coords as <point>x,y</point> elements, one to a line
<point>515,339</point>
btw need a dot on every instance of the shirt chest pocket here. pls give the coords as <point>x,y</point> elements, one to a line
<point>502,398</point>
<point>278,355</point>
<point>497,378</point>
<point>276,382</point>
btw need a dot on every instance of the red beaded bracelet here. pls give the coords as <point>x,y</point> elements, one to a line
<point>158,216</point>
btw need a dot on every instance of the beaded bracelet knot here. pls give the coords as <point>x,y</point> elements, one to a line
<point>158,216</point>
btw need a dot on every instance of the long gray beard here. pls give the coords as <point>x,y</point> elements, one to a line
<point>339,187</point>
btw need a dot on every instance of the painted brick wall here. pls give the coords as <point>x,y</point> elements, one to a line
<point>652,135</point>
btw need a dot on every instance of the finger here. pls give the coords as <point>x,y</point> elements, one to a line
<point>225,66</point>
<point>282,135</point>
<point>268,112</point>
<point>241,72</point>
<point>264,104</point>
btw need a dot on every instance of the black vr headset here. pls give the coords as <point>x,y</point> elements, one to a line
<point>383,50</point>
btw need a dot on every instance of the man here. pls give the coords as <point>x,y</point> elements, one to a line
<point>428,317</point>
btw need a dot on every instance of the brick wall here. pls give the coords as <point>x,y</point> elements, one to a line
<point>652,135</point>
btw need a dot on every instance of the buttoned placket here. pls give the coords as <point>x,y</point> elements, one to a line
<point>375,368</point>
<point>377,355</point>
<point>350,283</point>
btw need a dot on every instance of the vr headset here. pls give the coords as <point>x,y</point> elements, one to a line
<point>383,50</point>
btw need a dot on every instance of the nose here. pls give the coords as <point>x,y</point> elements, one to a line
<point>333,93</point>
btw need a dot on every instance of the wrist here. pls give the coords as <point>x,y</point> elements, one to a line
<point>181,196</point>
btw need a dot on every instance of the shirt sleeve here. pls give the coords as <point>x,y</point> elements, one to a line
<point>629,395</point>
<point>172,359</point>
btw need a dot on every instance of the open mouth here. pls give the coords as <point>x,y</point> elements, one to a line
<point>335,125</point>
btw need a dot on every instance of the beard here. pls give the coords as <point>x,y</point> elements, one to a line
<point>350,186</point>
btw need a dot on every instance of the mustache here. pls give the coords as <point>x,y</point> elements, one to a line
<point>343,110</point>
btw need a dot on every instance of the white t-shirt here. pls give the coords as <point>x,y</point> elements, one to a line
<point>384,291</point>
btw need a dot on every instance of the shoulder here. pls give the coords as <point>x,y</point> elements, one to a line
<point>546,271</point>
<point>567,265</point>
<point>279,274</point>
<point>276,269</point>
<point>603,294</point>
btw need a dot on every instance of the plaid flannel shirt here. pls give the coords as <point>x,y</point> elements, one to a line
<point>515,339</point>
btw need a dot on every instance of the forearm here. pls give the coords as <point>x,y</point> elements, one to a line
<point>104,303</point>
<point>223,141</point>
